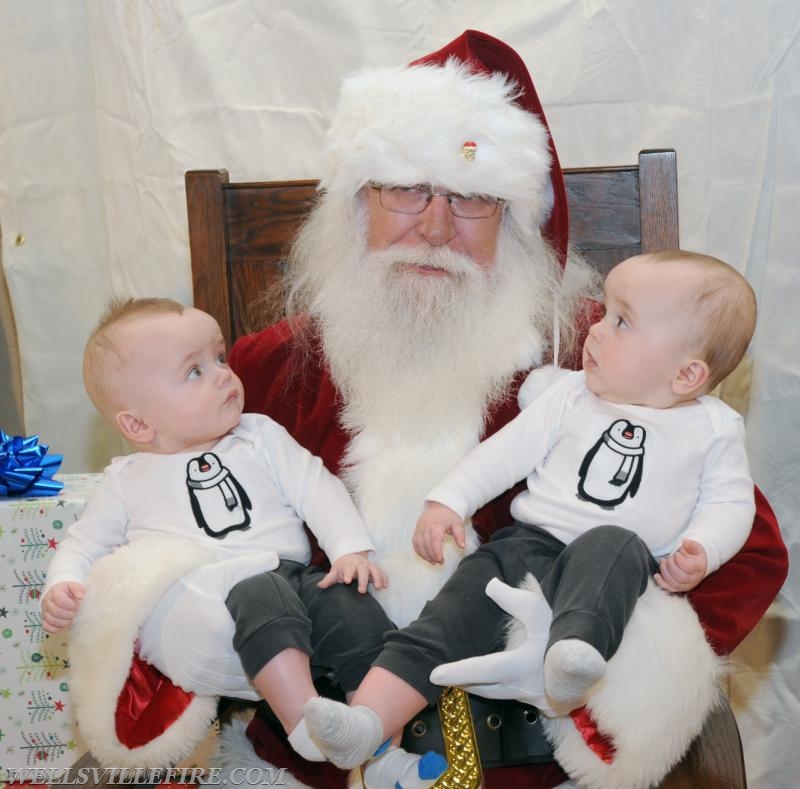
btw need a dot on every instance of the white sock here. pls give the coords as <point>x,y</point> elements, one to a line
<point>302,743</point>
<point>398,768</point>
<point>348,736</point>
<point>571,667</point>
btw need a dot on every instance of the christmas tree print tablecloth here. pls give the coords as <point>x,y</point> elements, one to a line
<point>36,725</point>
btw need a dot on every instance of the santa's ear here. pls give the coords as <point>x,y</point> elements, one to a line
<point>691,378</point>
<point>133,428</point>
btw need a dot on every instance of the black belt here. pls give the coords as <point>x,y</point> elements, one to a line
<point>507,733</point>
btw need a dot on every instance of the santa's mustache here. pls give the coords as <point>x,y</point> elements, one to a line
<point>443,259</point>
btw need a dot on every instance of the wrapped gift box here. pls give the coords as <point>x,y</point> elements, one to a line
<point>36,725</point>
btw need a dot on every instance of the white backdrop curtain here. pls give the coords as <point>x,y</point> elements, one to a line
<point>105,103</point>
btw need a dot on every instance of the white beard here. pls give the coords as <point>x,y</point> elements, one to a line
<point>419,360</point>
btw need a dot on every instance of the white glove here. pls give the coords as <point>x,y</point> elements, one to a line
<point>516,673</point>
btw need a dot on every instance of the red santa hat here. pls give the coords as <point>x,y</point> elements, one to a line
<point>465,118</point>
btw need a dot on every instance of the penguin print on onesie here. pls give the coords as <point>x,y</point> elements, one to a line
<point>219,503</point>
<point>612,468</point>
<point>595,523</point>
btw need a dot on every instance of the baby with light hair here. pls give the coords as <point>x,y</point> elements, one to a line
<point>259,621</point>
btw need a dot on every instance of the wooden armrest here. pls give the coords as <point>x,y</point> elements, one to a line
<point>715,759</point>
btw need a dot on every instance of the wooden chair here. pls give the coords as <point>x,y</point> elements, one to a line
<point>238,232</point>
<point>238,235</point>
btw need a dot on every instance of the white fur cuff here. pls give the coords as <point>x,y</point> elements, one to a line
<point>121,591</point>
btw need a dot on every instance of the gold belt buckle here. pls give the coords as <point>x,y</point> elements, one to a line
<point>460,743</point>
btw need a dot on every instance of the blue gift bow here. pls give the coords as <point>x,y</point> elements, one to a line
<point>25,467</point>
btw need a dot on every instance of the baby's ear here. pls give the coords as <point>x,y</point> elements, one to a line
<point>134,429</point>
<point>691,378</point>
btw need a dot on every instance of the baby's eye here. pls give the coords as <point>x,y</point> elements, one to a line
<point>195,372</point>
<point>221,358</point>
<point>621,323</point>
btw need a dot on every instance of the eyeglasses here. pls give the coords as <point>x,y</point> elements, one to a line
<point>415,199</point>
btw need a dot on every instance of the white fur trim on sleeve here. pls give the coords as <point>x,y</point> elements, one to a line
<point>121,590</point>
<point>658,690</point>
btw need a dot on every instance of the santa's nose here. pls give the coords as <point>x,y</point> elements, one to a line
<point>436,223</point>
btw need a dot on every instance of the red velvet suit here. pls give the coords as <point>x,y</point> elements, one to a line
<point>294,388</point>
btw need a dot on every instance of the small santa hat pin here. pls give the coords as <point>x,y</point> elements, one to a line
<point>468,150</point>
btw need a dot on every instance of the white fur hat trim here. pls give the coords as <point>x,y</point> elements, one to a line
<point>407,126</point>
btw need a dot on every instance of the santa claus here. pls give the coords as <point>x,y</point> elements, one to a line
<point>430,278</point>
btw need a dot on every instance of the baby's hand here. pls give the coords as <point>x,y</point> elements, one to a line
<point>355,566</point>
<point>60,605</point>
<point>436,521</point>
<point>684,569</point>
